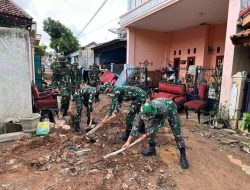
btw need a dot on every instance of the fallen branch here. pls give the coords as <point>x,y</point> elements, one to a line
<point>100,125</point>
<point>123,149</point>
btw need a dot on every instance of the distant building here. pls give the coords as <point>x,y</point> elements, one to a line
<point>86,56</point>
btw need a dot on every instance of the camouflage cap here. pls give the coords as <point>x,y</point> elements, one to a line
<point>62,59</point>
<point>75,63</point>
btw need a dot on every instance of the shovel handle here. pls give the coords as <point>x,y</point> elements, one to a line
<point>100,125</point>
<point>123,149</point>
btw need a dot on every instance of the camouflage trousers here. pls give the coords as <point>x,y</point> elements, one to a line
<point>65,104</point>
<point>133,110</point>
<point>175,125</point>
<point>79,106</point>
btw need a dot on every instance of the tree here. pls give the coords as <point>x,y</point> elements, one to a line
<point>41,49</point>
<point>62,39</point>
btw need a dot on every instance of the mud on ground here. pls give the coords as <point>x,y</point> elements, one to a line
<point>66,160</point>
<point>69,161</point>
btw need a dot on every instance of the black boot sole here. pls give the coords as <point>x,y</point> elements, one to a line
<point>148,154</point>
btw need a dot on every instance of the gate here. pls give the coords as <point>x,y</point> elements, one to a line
<point>38,71</point>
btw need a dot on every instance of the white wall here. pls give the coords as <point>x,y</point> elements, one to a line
<point>15,73</point>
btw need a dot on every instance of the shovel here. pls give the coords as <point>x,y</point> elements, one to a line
<point>92,131</point>
<point>89,127</point>
<point>123,149</point>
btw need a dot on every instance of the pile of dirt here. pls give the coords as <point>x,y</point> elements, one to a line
<point>67,160</point>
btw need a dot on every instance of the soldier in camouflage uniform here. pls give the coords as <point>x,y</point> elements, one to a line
<point>86,96</point>
<point>152,117</point>
<point>127,93</point>
<point>61,80</point>
<point>94,73</point>
<point>75,78</point>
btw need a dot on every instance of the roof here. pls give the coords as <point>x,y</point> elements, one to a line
<point>9,7</point>
<point>89,45</point>
<point>12,14</point>
<point>242,37</point>
<point>112,42</point>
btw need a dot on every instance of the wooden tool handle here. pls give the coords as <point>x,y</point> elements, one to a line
<point>122,149</point>
<point>100,125</point>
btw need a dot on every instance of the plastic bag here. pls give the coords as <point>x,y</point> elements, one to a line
<point>42,128</point>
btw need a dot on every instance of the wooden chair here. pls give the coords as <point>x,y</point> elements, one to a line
<point>198,104</point>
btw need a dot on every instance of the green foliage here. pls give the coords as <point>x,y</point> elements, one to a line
<point>217,79</point>
<point>62,39</point>
<point>41,49</point>
<point>245,122</point>
<point>222,115</point>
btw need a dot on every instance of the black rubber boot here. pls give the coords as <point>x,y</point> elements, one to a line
<point>149,152</point>
<point>125,136</point>
<point>65,113</point>
<point>77,128</point>
<point>183,159</point>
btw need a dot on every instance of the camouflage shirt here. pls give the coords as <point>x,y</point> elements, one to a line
<point>87,95</point>
<point>94,74</point>
<point>75,75</point>
<point>126,93</point>
<point>62,74</point>
<point>165,109</point>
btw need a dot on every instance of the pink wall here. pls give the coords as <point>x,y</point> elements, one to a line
<point>159,47</point>
<point>188,39</point>
<point>147,45</point>
<point>217,37</point>
<point>233,14</point>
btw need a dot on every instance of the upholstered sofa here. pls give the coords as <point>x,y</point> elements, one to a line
<point>172,91</point>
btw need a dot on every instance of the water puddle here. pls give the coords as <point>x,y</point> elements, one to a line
<point>244,167</point>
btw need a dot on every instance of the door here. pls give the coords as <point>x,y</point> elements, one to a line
<point>177,67</point>
<point>38,71</point>
<point>190,61</point>
<point>219,61</point>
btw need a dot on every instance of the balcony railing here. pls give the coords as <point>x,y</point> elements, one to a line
<point>142,9</point>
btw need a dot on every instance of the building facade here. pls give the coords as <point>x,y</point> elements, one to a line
<point>197,31</point>
<point>17,40</point>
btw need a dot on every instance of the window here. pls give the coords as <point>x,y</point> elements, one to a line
<point>174,52</point>
<point>179,52</point>
<point>194,50</point>
<point>218,50</point>
<point>188,51</point>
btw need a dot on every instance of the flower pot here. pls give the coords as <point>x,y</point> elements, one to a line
<point>29,122</point>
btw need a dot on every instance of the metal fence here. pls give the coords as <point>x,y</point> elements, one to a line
<point>210,76</point>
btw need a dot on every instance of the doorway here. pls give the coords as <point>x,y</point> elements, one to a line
<point>219,61</point>
<point>190,61</point>
<point>177,67</point>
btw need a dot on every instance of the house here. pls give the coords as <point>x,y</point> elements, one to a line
<point>112,52</point>
<point>17,40</point>
<point>86,55</point>
<point>197,31</point>
<point>74,57</point>
<point>176,30</point>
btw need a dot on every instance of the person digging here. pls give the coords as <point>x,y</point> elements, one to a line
<point>86,96</point>
<point>126,93</point>
<point>152,117</point>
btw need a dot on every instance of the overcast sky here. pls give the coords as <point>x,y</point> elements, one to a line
<point>74,14</point>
